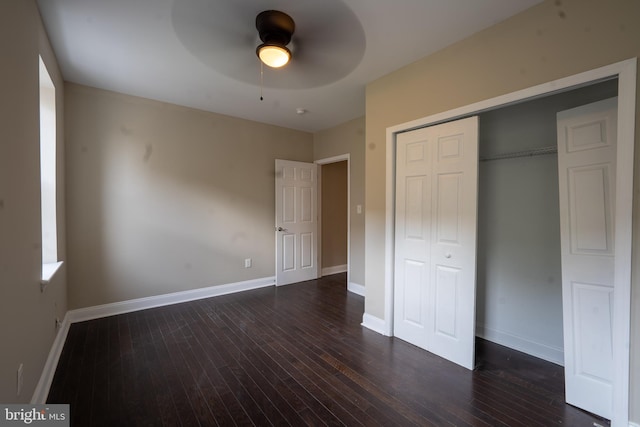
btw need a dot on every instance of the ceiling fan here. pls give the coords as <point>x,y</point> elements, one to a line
<point>275,29</point>
<point>324,44</point>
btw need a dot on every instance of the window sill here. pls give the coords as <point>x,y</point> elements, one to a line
<point>49,270</point>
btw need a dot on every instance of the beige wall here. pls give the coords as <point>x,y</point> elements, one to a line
<point>27,316</point>
<point>544,43</point>
<point>162,198</point>
<point>334,214</point>
<point>349,138</point>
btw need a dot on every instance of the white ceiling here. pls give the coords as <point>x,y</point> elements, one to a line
<point>201,53</point>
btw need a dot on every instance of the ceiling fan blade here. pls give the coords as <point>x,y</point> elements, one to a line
<point>328,42</point>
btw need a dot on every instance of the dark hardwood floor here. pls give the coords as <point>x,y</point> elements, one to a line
<point>294,355</point>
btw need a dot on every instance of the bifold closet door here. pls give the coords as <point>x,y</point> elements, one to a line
<point>587,171</point>
<point>435,239</point>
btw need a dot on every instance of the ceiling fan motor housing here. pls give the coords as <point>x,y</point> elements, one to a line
<point>275,27</point>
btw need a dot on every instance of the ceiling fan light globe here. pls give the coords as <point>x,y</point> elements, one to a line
<point>274,56</point>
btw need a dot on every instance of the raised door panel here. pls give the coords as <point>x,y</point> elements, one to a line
<point>449,201</point>
<point>306,204</point>
<point>288,252</point>
<point>288,211</point>
<point>590,210</point>
<point>306,250</point>
<point>412,297</point>
<point>593,306</point>
<point>447,301</point>
<point>590,132</point>
<point>414,201</point>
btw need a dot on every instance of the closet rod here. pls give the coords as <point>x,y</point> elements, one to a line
<point>528,153</point>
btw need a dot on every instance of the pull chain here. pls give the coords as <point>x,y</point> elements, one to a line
<point>261,79</point>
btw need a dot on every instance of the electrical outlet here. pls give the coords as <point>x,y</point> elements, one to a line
<point>19,381</point>
<point>247,263</point>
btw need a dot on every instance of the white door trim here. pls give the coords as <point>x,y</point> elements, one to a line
<point>326,161</point>
<point>625,71</point>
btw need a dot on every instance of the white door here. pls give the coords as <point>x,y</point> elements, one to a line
<point>587,171</point>
<point>435,243</point>
<point>296,222</point>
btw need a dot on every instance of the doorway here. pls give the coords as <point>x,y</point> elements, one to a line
<point>525,295</point>
<point>334,247</point>
<point>626,74</point>
<point>334,218</point>
<point>519,286</point>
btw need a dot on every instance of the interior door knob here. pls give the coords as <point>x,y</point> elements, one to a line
<point>281,229</point>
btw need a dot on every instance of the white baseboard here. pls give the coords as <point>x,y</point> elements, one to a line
<point>374,323</point>
<point>44,384</point>
<point>543,351</point>
<point>327,271</point>
<point>112,309</point>
<point>356,288</point>
<point>633,424</point>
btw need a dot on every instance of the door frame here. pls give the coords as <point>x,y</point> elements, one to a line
<point>626,72</point>
<point>335,159</point>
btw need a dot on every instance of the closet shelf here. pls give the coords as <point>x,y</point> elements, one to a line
<point>528,153</point>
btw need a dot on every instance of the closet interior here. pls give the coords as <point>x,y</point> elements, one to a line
<point>519,287</point>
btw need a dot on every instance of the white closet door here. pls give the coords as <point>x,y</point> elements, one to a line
<point>435,252</point>
<point>413,236</point>
<point>587,171</point>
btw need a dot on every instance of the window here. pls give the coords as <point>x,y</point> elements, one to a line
<point>50,262</point>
